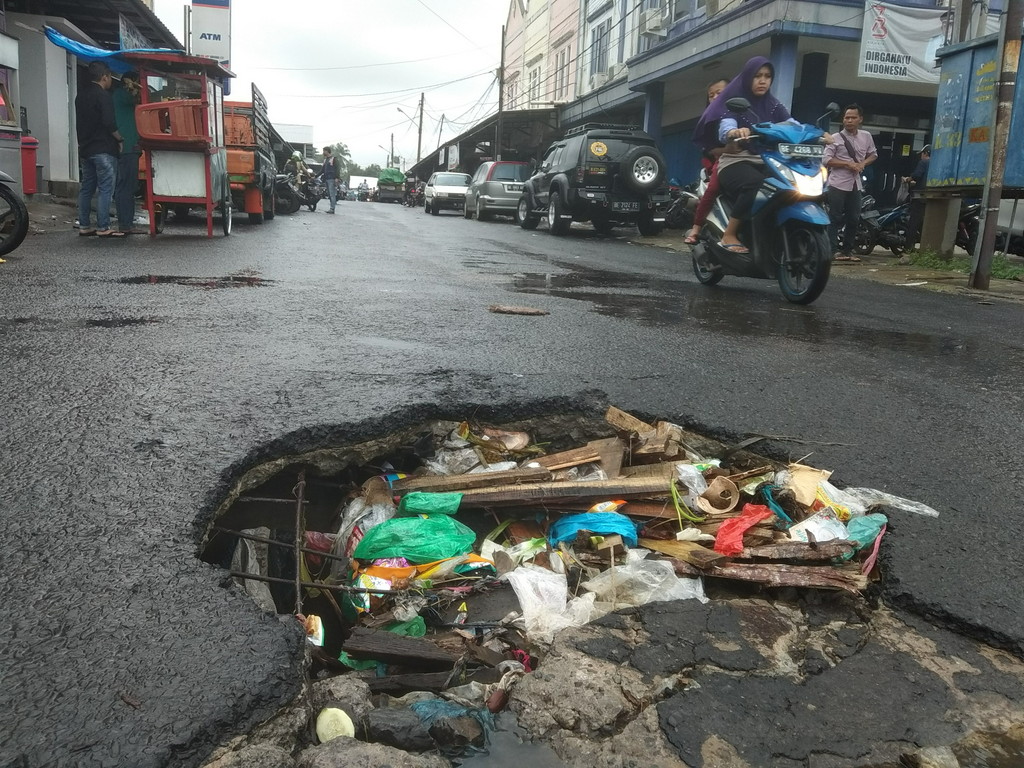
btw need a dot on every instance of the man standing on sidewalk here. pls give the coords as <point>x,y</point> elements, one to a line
<point>99,144</point>
<point>851,151</point>
<point>126,97</point>
<point>331,177</point>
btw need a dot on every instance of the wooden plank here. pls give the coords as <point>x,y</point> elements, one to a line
<point>524,530</point>
<point>824,551</point>
<point>396,649</point>
<point>624,422</point>
<point>442,483</point>
<point>687,551</point>
<point>664,441</point>
<point>612,452</point>
<point>570,458</point>
<point>397,685</point>
<point>601,490</point>
<point>782,575</point>
<point>665,470</point>
<point>661,510</point>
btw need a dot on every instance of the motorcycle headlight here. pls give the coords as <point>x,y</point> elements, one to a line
<point>810,186</point>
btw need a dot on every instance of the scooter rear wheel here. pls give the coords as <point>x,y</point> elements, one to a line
<point>705,274</point>
<point>805,264</point>
<point>13,220</point>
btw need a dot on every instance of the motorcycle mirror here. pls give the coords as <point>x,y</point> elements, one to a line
<point>737,104</point>
<point>833,108</point>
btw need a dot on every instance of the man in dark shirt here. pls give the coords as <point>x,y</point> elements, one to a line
<point>99,145</point>
<point>331,177</point>
<point>917,181</point>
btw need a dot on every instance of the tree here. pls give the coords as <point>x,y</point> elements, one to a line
<point>341,151</point>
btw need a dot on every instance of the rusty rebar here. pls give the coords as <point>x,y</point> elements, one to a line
<point>276,543</point>
<point>300,536</point>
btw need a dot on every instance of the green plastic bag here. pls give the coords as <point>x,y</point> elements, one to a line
<point>863,531</point>
<point>417,539</point>
<point>422,503</point>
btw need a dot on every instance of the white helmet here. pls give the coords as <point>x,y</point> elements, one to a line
<point>296,155</point>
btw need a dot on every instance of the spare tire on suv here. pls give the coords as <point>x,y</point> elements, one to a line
<point>643,169</point>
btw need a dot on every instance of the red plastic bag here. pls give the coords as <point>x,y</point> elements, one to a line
<point>729,540</point>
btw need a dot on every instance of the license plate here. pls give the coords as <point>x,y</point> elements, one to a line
<point>625,206</point>
<point>802,150</point>
<point>513,187</point>
<point>597,170</point>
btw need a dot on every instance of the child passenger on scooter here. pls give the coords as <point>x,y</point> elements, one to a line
<point>709,159</point>
<point>740,172</point>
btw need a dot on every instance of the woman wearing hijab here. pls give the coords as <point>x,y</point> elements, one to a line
<point>740,172</point>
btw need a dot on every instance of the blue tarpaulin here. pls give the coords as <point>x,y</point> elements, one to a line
<point>92,53</point>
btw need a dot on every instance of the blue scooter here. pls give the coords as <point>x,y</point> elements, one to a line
<point>787,232</point>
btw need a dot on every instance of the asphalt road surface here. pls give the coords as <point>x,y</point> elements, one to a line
<point>142,377</point>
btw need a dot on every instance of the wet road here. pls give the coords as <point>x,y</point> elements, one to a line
<point>142,377</point>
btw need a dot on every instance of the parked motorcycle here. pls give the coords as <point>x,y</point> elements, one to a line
<point>787,232</point>
<point>288,199</point>
<point>13,216</point>
<point>875,228</point>
<point>683,205</point>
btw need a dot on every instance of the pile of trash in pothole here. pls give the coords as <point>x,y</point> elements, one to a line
<point>445,568</point>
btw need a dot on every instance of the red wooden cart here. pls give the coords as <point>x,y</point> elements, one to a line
<point>181,132</point>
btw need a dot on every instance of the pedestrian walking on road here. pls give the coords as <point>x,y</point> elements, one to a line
<point>126,98</point>
<point>851,151</point>
<point>99,144</point>
<point>330,173</point>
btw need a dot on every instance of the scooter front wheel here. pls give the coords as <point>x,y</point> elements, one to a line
<point>805,264</point>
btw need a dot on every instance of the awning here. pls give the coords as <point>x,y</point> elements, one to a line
<point>92,53</point>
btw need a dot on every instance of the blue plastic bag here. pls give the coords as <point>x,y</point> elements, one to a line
<point>601,523</point>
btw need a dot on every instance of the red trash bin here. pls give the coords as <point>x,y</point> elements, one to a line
<point>29,145</point>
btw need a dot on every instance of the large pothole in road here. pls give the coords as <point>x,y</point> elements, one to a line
<point>433,567</point>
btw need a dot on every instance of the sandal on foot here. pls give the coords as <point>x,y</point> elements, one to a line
<point>734,247</point>
<point>86,232</point>
<point>690,239</point>
<point>109,233</point>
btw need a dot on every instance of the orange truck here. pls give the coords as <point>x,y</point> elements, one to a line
<point>250,157</point>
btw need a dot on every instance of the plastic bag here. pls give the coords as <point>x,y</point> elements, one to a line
<point>432,710</point>
<point>603,523</point>
<point>729,540</point>
<point>824,525</point>
<point>424,503</point>
<point>639,581</point>
<point>359,517</point>
<point>544,599</point>
<point>690,476</point>
<point>417,539</point>
<point>870,497</point>
<point>452,461</point>
<point>864,530</point>
<point>246,559</point>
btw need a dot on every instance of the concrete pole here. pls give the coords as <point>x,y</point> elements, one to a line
<point>1009,54</point>
<point>501,99</point>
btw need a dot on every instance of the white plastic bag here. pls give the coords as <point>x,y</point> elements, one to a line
<point>693,479</point>
<point>640,581</point>
<point>544,598</point>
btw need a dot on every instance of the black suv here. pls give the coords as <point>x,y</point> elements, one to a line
<point>605,174</point>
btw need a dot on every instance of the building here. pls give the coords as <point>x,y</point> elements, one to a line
<point>39,82</point>
<point>648,63</point>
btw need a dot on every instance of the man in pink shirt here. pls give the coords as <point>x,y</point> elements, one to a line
<point>851,151</point>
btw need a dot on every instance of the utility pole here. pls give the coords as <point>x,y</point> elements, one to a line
<point>441,128</point>
<point>391,162</point>
<point>1008,50</point>
<point>419,133</point>
<point>963,22</point>
<point>501,98</point>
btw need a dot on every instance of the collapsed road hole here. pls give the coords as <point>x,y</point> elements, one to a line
<point>408,556</point>
<point>240,280</point>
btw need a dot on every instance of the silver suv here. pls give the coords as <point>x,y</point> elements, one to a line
<point>445,190</point>
<point>496,188</point>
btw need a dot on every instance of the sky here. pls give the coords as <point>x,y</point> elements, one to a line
<point>346,67</point>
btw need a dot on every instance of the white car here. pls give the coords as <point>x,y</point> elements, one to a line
<point>445,190</point>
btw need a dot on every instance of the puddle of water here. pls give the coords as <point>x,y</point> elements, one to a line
<point>121,322</point>
<point>509,747</point>
<point>100,322</point>
<point>227,281</point>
